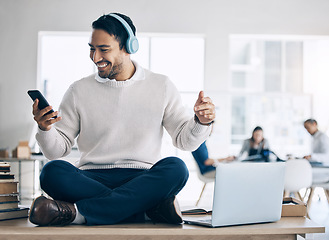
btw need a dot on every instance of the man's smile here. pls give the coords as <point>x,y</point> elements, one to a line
<point>102,65</point>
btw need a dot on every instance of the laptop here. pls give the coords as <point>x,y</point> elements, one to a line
<point>245,193</point>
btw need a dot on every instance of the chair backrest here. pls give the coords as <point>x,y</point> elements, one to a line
<point>202,177</point>
<point>298,175</point>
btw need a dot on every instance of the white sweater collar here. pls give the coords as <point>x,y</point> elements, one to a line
<point>138,75</point>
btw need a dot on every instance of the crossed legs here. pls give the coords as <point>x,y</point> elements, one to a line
<point>109,196</point>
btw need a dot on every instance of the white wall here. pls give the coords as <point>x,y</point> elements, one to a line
<point>317,76</point>
<point>20,21</point>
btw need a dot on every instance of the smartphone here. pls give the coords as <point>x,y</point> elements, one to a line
<point>36,94</point>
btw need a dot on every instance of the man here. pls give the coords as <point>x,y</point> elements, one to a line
<point>118,116</point>
<point>320,144</point>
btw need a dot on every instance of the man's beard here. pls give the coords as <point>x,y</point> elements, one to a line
<point>113,73</point>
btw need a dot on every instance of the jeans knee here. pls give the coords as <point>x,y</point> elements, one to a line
<point>179,171</point>
<point>51,170</point>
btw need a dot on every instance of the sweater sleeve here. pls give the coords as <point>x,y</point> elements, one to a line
<point>58,141</point>
<point>185,132</point>
<point>322,153</point>
<point>266,144</point>
<point>245,147</point>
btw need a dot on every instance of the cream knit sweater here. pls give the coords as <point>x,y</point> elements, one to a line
<point>119,124</point>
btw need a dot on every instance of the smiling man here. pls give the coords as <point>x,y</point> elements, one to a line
<point>117,117</point>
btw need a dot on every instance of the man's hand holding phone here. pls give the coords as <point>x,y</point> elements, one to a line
<point>43,114</point>
<point>43,118</point>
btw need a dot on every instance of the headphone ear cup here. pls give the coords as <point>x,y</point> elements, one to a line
<point>132,45</point>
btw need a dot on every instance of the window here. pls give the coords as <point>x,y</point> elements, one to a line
<point>267,89</point>
<point>259,65</point>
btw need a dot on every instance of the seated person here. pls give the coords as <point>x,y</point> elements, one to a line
<point>254,145</point>
<point>120,176</point>
<point>320,144</point>
<point>206,164</point>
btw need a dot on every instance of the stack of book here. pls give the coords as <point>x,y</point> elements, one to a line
<point>9,208</point>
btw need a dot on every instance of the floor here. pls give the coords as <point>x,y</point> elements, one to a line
<point>319,213</point>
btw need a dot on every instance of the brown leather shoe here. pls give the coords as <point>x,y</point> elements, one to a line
<point>46,212</point>
<point>167,211</point>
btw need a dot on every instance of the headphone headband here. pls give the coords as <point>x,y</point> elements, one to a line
<point>132,44</point>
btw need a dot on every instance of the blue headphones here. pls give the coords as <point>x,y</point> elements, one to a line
<point>132,44</point>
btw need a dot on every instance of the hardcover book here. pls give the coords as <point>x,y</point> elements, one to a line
<point>9,197</point>
<point>4,167</point>
<point>21,212</point>
<point>8,187</point>
<point>8,205</point>
<point>196,211</point>
<point>4,175</point>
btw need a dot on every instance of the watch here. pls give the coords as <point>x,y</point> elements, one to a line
<point>198,121</point>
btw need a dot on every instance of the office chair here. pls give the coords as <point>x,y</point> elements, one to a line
<point>324,186</point>
<point>203,179</point>
<point>298,175</point>
<point>320,180</point>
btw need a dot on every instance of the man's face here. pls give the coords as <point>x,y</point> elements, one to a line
<point>106,54</point>
<point>311,127</point>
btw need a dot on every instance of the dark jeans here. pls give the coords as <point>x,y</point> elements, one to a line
<point>109,196</point>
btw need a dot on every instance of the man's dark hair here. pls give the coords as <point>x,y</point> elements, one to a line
<point>311,121</point>
<point>114,27</point>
